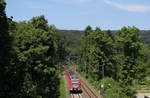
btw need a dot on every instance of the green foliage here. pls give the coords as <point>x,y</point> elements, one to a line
<point>32,52</point>
<point>38,51</point>
<point>145,36</point>
<point>72,43</point>
<point>62,88</point>
<point>6,70</point>
<point>111,89</point>
<point>39,23</point>
<point>144,84</point>
<point>29,56</point>
<point>122,57</point>
<point>97,53</point>
<point>73,38</point>
<point>132,47</point>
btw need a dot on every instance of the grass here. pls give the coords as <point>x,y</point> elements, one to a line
<point>62,88</point>
<point>145,86</point>
<point>143,91</point>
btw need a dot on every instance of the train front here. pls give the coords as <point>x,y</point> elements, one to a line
<point>75,84</point>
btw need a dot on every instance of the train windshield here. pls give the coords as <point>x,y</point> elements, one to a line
<point>74,77</point>
<point>75,80</point>
<point>75,84</point>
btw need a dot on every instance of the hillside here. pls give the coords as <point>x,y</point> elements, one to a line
<point>72,40</point>
<point>73,37</point>
<point>146,36</point>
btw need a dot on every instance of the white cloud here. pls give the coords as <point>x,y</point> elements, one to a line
<point>129,7</point>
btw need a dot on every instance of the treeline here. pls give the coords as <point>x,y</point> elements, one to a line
<point>73,39</point>
<point>145,37</point>
<point>29,56</point>
<point>115,63</point>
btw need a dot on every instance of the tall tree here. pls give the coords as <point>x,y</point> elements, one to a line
<point>98,53</point>
<point>84,49</point>
<point>5,54</point>
<point>132,66</point>
<point>37,48</point>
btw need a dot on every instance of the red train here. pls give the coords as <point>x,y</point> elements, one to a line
<point>75,84</point>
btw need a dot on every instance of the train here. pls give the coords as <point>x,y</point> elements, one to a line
<point>74,81</point>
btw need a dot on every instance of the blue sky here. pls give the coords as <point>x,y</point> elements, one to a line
<point>77,14</point>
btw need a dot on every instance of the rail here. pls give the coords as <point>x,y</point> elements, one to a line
<point>84,86</point>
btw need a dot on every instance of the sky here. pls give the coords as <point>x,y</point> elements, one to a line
<point>77,14</point>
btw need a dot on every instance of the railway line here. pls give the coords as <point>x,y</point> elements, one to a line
<point>76,96</point>
<point>72,95</point>
<point>88,93</point>
<point>79,95</point>
<point>86,90</point>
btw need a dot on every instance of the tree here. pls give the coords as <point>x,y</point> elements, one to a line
<point>84,49</point>
<point>112,89</point>
<point>37,51</point>
<point>6,72</point>
<point>98,53</point>
<point>132,66</point>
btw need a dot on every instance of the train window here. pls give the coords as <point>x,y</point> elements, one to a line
<point>75,80</point>
<point>75,84</point>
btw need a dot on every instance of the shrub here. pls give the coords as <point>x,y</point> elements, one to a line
<point>111,89</point>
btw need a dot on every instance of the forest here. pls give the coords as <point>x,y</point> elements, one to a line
<point>33,53</point>
<point>119,62</point>
<point>73,39</point>
<point>29,56</point>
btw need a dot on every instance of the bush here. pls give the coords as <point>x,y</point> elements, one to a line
<point>111,89</point>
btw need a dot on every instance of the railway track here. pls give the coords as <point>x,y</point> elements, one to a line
<point>76,96</point>
<point>87,91</point>
<point>72,95</point>
<point>79,95</point>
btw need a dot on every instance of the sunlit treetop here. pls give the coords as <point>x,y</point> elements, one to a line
<point>2,1</point>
